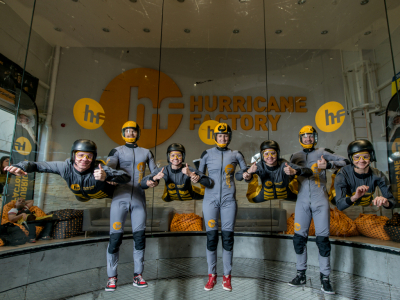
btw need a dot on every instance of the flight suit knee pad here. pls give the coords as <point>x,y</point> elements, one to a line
<point>227,240</point>
<point>299,242</point>
<point>140,240</point>
<point>324,245</point>
<point>115,242</point>
<point>212,240</point>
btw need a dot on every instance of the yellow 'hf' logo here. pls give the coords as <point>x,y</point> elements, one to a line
<point>330,116</point>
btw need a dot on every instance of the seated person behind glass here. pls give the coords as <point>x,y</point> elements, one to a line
<point>276,174</point>
<point>21,213</point>
<point>178,179</point>
<point>355,184</point>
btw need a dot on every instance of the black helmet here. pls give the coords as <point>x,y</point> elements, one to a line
<point>270,145</point>
<point>176,147</point>
<point>359,146</point>
<point>85,146</point>
<point>225,129</point>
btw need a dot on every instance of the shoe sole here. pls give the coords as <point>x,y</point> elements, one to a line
<point>208,289</point>
<point>302,284</point>
<point>226,289</point>
<point>109,290</point>
<point>330,293</point>
<point>139,286</point>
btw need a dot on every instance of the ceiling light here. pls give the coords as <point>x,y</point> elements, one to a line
<point>236,31</point>
<point>2,2</point>
<point>367,32</point>
<point>146,30</point>
<point>106,29</point>
<point>324,32</point>
<point>363,2</point>
<point>278,31</point>
<point>57,29</point>
<point>300,2</point>
<point>186,30</point>
<point>241,1</point>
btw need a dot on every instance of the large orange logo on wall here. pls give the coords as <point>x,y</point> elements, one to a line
<point>151,84</point>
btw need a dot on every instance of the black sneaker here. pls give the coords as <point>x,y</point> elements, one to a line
<point>326,285</point>
<point>300,279</point>
<point>138,281</point>
<point>111,284</point>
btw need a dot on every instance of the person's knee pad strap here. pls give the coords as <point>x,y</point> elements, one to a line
<point>115,242</point>
<point>299,243</point>
<point>212,240</point>
<point>227,240</point>
<point>324,245</point>
<point>140,240</point>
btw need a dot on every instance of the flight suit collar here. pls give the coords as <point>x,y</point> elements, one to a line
<point>134,145</point>
<point>363,176</point>
<point>177,170</point>
<point>308,150</point>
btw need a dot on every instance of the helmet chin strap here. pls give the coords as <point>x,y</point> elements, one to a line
<point>221,145</point>
<point>129,140</point>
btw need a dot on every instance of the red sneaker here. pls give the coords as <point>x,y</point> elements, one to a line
<point>212,280</point>
<point>138,281</point>
<point>111,284</point>
<point>226,283</point>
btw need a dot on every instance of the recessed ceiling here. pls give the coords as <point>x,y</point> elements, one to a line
<point>211,24</point>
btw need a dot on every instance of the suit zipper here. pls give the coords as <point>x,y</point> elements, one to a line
<point>133,172</point>
<point>222,173</point>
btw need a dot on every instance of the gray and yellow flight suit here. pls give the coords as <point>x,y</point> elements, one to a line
<point>220,200</point>
<point>82,184</point>
<point>128,198</point>
<point>312,202</point>
<point>347,181</point>
<point>275,183</point>
<point>178,186</point>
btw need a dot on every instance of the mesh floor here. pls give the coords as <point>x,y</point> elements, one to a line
<point>185,278</point>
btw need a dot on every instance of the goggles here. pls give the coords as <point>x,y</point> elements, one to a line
<point>177,156</point>
<point>362,155</point>
<point>129,130</point>
<point>271,153</point>
<point>82,155</point>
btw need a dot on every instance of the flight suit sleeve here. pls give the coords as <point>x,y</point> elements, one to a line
<point>203,162</point>
<point>386,190</point>
<point>54,167</point>
<point>305,172</point>
<point>342,201</point>
<point>243,168</point>
<point>113,159</point>
<point>204,180</point>
<point>117,176</point>
<point>143,183</point>
<point>150,161</point>
<point>334,161</point>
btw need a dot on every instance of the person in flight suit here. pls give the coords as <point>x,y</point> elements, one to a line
<point>360,180</point>
<point>178,179</point>
<point>312,203</point>
<point>129,198</point>
<point>276,175</point>
<point>220,199</point>
<point>86,177</point>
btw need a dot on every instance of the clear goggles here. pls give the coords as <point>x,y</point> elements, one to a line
<point>129,130</point>
<point>365,156</point>
<point>82,155</point>
<point>271,153</point>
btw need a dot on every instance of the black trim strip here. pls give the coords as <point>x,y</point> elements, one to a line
<point>36,249</point>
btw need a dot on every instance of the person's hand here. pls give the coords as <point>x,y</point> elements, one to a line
<point>361,190</point>
<point>194,178</point>
<point>112,183</point>
<point>100,174</point>
<point>322,163</point>
<point>289,170</point>
<point>151,183</point>
<point>158,176</point>
<point>252,169</point>
<point>15,170</point>
<point>246,176</point>
<point>186,171</point>
<point>379,201</point>
<point>24,216</point>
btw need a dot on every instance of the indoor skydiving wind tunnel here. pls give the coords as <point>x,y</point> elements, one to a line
<point>187,149</point>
